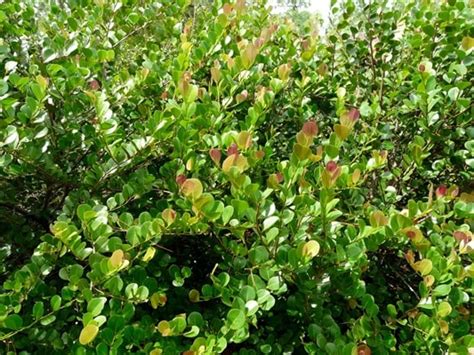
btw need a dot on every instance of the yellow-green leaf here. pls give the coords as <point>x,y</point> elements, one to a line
<point>414,234</point>
<point>244,140</point>
<point>284,71</point>
<point>301,151</point>
<point>424,266</point>
<point>88,334</point>
<point>444,309</point>
<point>342,131</point>
<point>310,249</point>
<point>168,215</point>
<point>158,300</point>
<point>249,54</point>
<point>192,188</point>
<point>304,139</point>
<point>429,280</point>
<point>194,295</point>
<point>355,176</point>
<point>237,160</point>
<point>116,259</point>
<point>467,43</point>
<point>164,328</point>
<point>378,219</point>
<point>149,254</point>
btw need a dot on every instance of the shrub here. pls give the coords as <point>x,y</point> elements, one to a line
<point>206,177</point>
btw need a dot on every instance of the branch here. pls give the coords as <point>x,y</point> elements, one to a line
<point>131,34</point>
<point>28,215</point>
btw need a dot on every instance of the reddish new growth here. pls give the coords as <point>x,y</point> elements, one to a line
<point>187,76</point>
<point>411,234</point>
<point>232,149</point>
<point>331,166</point>
<point>259,154</point>
<point>410,257</point>
<point>94,85</point>
<point>461,237</point>
<point>363,349</point>
<point>354,114</point>
<point>454,192</point>
<point>180,179</point>
<point>310,128</point>
<point>279,177</point>
<point>227,8</point>
<point>441,191</point>
<point>305,44</point>
<point>215,155</point>
<point>259,42</point>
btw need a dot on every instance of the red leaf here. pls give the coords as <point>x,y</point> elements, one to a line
<point>310,128</point>
<point>215,155</point>
<point>331,166</point>
<point>441,191</point>
<point>354,114</point>
<point>232,149</point>
<point>180,179</point>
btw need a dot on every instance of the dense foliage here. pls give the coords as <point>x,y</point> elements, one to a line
<point>206,177</point>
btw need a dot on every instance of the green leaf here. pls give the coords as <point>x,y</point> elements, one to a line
<point>3,87</point>
<point>236,319</point>
<point>55,302</point>
<point>48,320</point>
<point>227,214</point>
<point>453,93</point>
<point>251,307</point>
<point>222,280</point>
<point>442,290</point>
<point>142,293</point>
<point>95,305</point>
<point>12,136</point>
<point>258,255</point>
<point>13,321</point>
<point>195,318</point>
<point>274,283</point>
<point>38,310</point>
<point>429,30</point>
<point>134,235</point>
<point>392,310</point>
<point>131,290</point>
<point>365,110</point>
<point>269,222</point>
<point>247,293</point>
<point>192,333</point>
<point>177,325</point>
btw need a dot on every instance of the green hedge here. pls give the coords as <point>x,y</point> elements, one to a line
<point>208,177</point>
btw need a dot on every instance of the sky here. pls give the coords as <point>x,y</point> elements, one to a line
<point>320,6</point>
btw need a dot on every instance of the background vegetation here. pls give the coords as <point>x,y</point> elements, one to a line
<point>206,177</point>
